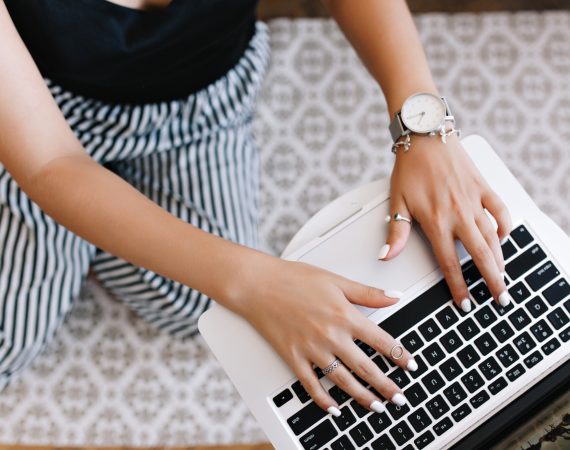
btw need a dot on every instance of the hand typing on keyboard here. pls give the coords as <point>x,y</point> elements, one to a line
<point>307,315</point>
<point>441,188</point>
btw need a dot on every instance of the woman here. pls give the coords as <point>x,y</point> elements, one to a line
<point>126,145</point>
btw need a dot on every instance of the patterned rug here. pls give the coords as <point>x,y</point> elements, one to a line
<point>109,379</point>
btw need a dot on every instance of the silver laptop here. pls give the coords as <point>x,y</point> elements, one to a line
<point>479,371</point>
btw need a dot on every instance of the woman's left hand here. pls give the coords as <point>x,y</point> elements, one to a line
<point>438,185</point>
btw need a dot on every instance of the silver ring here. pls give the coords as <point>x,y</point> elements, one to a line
<point>331,367</point>
<point>397,217</point>
<point>400,354</point>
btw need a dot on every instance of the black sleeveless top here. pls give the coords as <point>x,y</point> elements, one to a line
<point>113,53</point>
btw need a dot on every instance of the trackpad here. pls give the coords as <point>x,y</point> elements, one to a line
<point>353,252</point>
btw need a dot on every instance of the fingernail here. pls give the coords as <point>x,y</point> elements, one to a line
<point>412,365</point>
<point>334,411</point>
<point>504,275</point>
<point>378,407</point>
<point>399,399</point>
<point>384,251</point>
<point>504,298</point>
<point>393,294</point>
<point>504,241</point>
<point>466,305</point>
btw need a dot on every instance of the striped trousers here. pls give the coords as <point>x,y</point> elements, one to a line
<point>195,157</point>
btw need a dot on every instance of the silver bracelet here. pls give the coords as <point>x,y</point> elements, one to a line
<point>444,132</point>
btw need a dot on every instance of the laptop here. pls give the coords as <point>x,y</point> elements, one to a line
<point>480,373</point>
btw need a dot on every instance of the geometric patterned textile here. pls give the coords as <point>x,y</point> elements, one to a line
<point>110,379</point>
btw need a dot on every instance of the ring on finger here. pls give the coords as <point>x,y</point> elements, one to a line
<point>397,351</point>
<point>331,367</point>
<point>397,217</point>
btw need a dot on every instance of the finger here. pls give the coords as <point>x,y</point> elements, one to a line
<point>492,238</point>
<point>398,230</point>
<point>362,294</point>
<point>443,245</point>
<point>311,383</point>
<point>493,203</point>
<point>483,258</point>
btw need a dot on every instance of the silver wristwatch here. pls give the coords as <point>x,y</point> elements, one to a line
<point>422,113</point>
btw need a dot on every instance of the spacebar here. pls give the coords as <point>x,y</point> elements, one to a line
<point>415,311</point>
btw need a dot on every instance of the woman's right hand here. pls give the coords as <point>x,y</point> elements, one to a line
<point>308,315</point>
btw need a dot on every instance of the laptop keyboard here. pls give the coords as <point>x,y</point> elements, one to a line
<point>464,359</point>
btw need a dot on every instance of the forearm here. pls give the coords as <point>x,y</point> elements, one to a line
<point>386,39</point>
<point>102,208</point>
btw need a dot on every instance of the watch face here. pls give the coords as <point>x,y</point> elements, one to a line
<point>423,112</point>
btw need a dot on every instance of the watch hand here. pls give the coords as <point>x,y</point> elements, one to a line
<point>415,115</point>
<point>422,116</point>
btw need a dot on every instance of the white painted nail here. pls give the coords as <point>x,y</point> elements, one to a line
<point>466,305</point>
<point>393,294</point>
<point>504,241</point>
<point>334,411</point>
<point>412,365</point>
<point>504,298</point>
<point>384,251</point>
<point>399,399</point>
<point>378,407</point>
<point>504,275</point>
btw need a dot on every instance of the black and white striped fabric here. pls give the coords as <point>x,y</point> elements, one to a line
<point>195,157</point>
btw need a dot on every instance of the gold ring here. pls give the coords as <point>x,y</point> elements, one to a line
<point>398,355</point>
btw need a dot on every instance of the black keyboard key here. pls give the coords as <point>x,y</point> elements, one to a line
<point>379,422</point>
<point>429,329</point>
<point>455,393</point>
<point>550,346</point>
<point>319,436</point>
<point>536,307</point>
<point>370,352</point>
<point>399,377</point>
<point>306,417</point>
<point>526,261</point>
<point>424,440</point>
<point>383,443</point>
<point>406,318</point>
<point>502,310</point>
<point>468,356</point>
<point>343,443</point>
<point>282,398</point>
<point>519,319</point>
<point>461,413</point>
<point>502,331</point>
<point>490,368</point>
<point>450,369</point>
<point>415,394</point>
<point>567,305</point>
<point>437,407</point>
<point>401,433</point>
<point>300,391</point>
<point>381,363</point>
<point>451,341</point>
<point>485,343</point>
<point>412,341</point>
<point>542,276</point>
<point>524,343</point>
<point>472,381</point>
<point>565,335</point>
<point>345,420</point>
<point>446,317</point>
<point>468,328</point>
<point>339,395</point>
<point>507,355</point>
<point>479,398</point>
<point>419,419</point>
<point>533,359</point>
<point>433,381</point>
<point>443,426</point>
<point>558,291</point>
<point>558,318</point>
<point>497,386</point>
<point>361,434</point>
<point>519,292</point>
<point>508,249</point>
<point>480,293</point>
<point>358,409</point>
<point>485,316</point>
<point>397,412</point>
<point>515,372</point>
<point>471,273</point>
<point>433,354</point>
<point>521,236</point>
<point>541,330</point>
<point>422,367</point>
